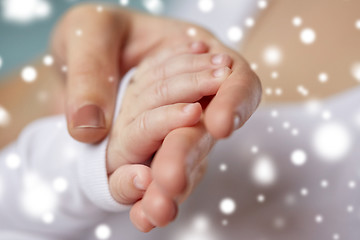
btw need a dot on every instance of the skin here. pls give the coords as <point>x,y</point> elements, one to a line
<point>147,126</point>
<point>132,37</point>
<point>127,38</point>
<point>142,125</point>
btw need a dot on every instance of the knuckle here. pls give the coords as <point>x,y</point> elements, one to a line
<point>122,196</point>
<point>198,61</point>
<point>84,70</point>
<point>196,81</point>
<point>116,192</point>
<point>85,12</point>
<point>162,90</point>
<point>79,10</point>
<point>161,56</point>
<point>119,185</point>
<point>143,67</point>
<point>159,73</point>
<point>204,31</point>
<point>143,122</point>
<point>194,62</point>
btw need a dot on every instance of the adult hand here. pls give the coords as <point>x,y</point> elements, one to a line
<point>98,47</point>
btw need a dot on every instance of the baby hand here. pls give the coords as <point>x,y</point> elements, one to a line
<point>161,97</point>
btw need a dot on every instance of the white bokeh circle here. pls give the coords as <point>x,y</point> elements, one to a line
<point>249,22</point>
<point>29,74</point>
<point>262,4</point>
<point>227,206</point>
<point>355,71</point>
<point>48,60</point>
<point>25,11</point>
<point>297,21</point>
<point>235,33</point>
<point>102,232</point>
<point>331,141</point>
<point>201,223</point>
<point>323,77</point>
<point>319,218</point>
<point>307,36</point>
<point>60,184</point>
<point>272,55</point>
<point>13,161</point>
<point>264,171</point>
<point>298,157</point>
<point>48,218</point>
<point>124,2</point>
<point>37,197</point>
<point>206,5</point>
<point>357,24</point>
<point>154,6</point>
<point>4,117</point>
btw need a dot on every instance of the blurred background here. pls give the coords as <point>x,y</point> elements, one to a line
<point>26,26</point>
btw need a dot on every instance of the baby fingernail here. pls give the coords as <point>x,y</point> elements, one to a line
<point>220,72</point>
<point>89,116</point>
<point>236,123</point>
<point>138,184</point>
<point>217,59</point>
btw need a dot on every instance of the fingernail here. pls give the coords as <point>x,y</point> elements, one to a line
<point>236,123</point>
<point>220,72</point>
<point>89,116</point>
<point>189,107</point>
<point>217,59</point>
<point>138,184</point>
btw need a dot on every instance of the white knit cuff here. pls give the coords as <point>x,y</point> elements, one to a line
<point>92,165</point>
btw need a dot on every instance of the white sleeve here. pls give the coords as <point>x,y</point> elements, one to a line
<point>51,186</point>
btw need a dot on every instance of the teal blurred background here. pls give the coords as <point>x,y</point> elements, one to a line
<point>21,43</point>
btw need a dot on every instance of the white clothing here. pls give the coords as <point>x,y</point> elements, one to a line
<point>221,17</point>
<point>51,185</point>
